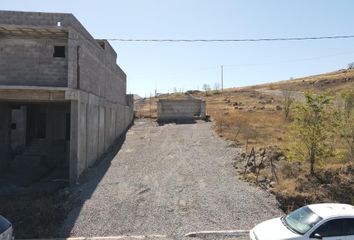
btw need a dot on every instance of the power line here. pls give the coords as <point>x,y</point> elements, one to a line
<point>230,66</point>
<point>234,40</point>
<point>289,61</point>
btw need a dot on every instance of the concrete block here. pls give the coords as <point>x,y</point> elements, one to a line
<point>168,109</point>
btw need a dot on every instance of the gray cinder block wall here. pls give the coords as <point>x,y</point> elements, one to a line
<point>30,62</point>
<point>170,110</point>
<point>88,78</point>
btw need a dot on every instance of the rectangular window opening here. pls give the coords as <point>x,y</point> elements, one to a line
<point>59,51</point>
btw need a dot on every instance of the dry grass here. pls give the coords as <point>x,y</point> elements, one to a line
<point>247,116</point>
<point>256,128</point>
<point>259,122</point>
<point>333,81</point>
<point>288,185</point>
<point>252,118</point>
<point>146,108</point>
<point>332,183</point>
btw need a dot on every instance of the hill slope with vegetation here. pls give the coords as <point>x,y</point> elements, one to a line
<point>297,136</point>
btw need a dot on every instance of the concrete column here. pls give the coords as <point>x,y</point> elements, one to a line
<point>92,133</point>
<point>101,131</point>
<point>73,59</point>
<point>107,124</point>
<point>113,125</point>
<point>18,135</point>
<point>82,138</point>
<point>5,134</point>
<point>78,139</point>
<point>74,140</point>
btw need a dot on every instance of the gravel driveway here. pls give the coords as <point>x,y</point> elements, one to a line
<point>171,180</point>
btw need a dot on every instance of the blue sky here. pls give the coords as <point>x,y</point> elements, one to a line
<point>185,66</point>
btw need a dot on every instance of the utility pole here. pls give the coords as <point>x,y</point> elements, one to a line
<point>222,78</point>
<point>155,89</point>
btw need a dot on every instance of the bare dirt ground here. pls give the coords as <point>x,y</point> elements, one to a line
<point>169,180</point>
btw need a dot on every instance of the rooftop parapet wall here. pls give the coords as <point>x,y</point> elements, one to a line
<point>51,20</point>
<point>90,67</point>
<point>40,19</point>
<point>110,53</point>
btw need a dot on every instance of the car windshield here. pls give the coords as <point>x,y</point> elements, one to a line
<point>302,220</point>
<point>4,224</point>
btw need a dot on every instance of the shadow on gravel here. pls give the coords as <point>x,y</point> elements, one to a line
<point>77,195</point>
<point>177,121</point>
<point>34,215</point>
<point>44,213</point>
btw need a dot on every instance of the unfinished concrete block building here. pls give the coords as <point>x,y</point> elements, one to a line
<point>180,109</point>
<point>63,98</point>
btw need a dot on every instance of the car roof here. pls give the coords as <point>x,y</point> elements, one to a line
<point>328,210</point>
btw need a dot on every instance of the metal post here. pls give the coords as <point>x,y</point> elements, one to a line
<point>222,78</point>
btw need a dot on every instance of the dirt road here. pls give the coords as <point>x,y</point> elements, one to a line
<point>296,95</point>
<point>170,180</point>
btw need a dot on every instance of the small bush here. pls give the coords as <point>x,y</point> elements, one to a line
<point>312,130</point>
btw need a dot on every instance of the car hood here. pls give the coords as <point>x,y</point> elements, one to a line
<point>273,229</point>
<point>4,224</point>
<point>5,229</point>
<point>7,235</point>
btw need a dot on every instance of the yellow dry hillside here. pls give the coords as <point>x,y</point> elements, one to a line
<point>254,114</point>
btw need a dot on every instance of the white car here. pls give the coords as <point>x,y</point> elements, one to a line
<point>327,221</point>
<point>5,229</point>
